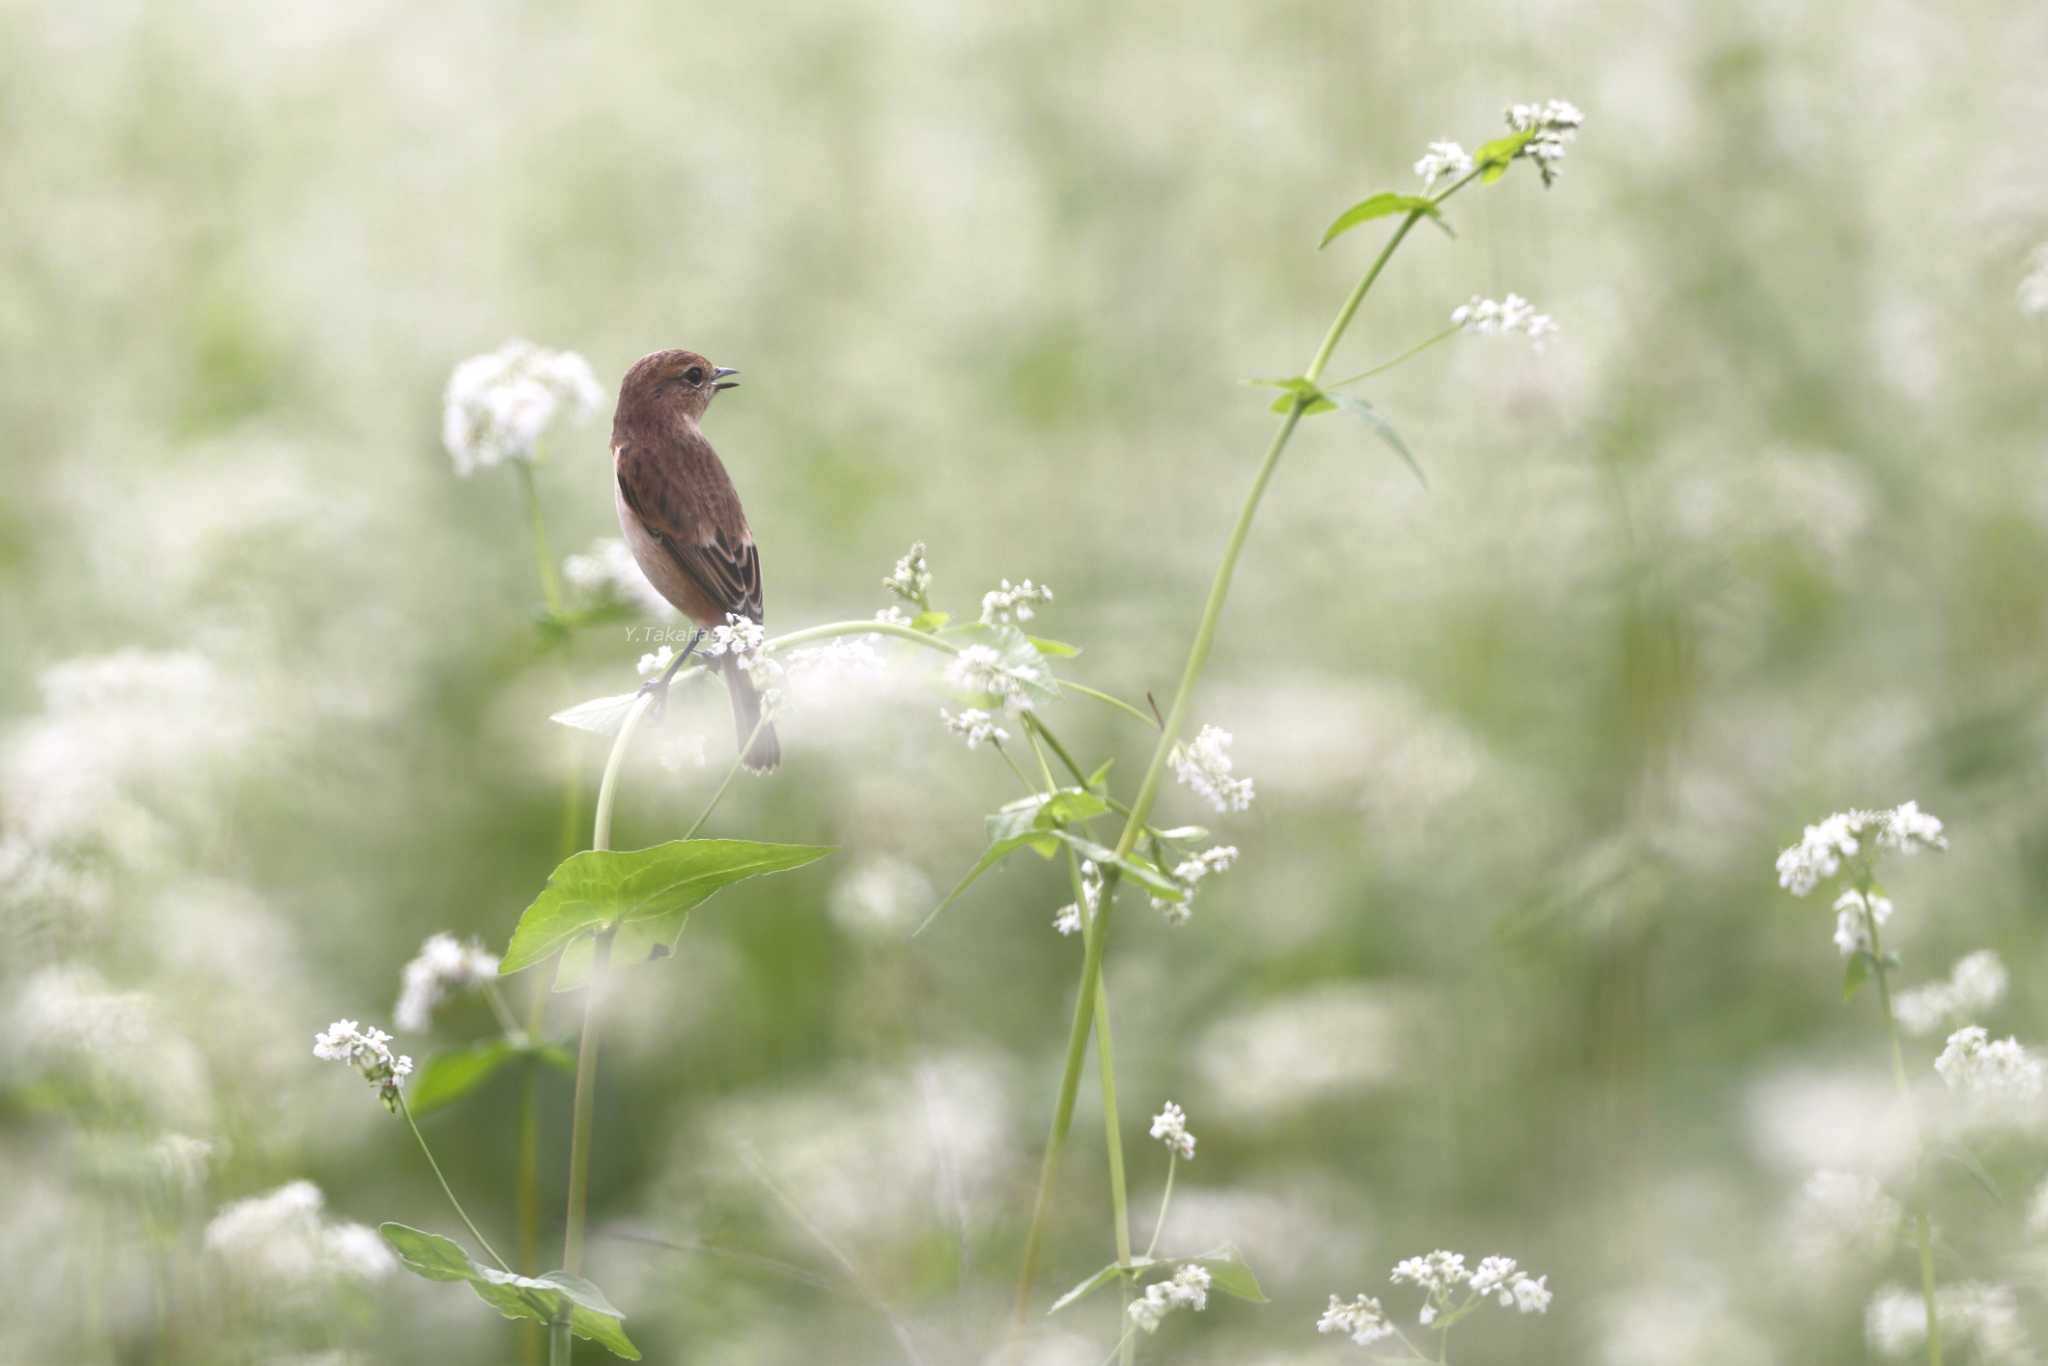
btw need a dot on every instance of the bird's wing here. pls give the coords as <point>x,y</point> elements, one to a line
<point>716,551</point>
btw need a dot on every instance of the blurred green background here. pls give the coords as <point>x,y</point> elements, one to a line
<point>1504,967</point>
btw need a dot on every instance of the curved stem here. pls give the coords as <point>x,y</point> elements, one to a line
<point>1176,716</point>
<point>543,558</point>
<point>446,1189</point>
<point>1922,1224</point>
<point>1166,1199</point>
<point>1407,355</point>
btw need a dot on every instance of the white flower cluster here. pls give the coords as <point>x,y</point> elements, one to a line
<point>499,405</point>
<point>1009,605</point>
<point>1497,317</point>
<point>1842,1215</point>
<point>1189,873</point>
<point>738,636</point>
<point>1980,1068</point>
<point>1854,911</point>
<point>1203,766</point>
<point>981,670</point>
<point>1975,984</point>
<point>1555,124</point>
<point>892,615</point>
<point>369,1052</point>
<point>444,964</point>
<point>1170,1126</point>
<point>1189,1289</point>
<point>1442,161</point>
<point>1067,920</point>
<point>1441,1274</point>
<point>1818,855</point>
<point>911,580</point>
<point>281,1241</point>
<point>607,572</point>
<point>1985,1316</point>
<point>1362,1320</point>
<point>975,726</point>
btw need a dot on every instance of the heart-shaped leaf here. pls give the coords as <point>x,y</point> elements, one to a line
<point>540,1298</point>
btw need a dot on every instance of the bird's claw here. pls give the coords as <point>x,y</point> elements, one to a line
<point>657,689</point>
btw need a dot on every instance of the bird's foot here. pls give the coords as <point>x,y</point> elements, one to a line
<point>657,688</point>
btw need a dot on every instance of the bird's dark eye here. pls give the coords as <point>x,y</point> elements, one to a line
<point>695,374</point>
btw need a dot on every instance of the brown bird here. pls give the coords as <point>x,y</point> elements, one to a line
<point>682,518</point>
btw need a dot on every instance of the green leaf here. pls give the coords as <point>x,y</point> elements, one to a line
<point>1228,1273</point>
<point>930,621</point>
<point>599,716</point>
<point>1099,776</point>
<point>1492,158</point>
<point>994,854</point>
<point>648,892</point>
<point>1059,649</point>
<point>1359,406</point>
<point>1137,869</point>
<point>447,1077</point>
<point>1297,391</point>
<point>541,1298</point>
<point>1857,972</point>
<point>1021,659</point>
<point>1381,205</point>
<point>1095,1283</point>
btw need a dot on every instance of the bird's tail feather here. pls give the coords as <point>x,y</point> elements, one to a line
<point>765,751</point>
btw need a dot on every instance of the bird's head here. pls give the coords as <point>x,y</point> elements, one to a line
<point>680,383</point>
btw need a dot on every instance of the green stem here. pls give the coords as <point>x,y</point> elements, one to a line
<point>587,1048</point>
<point>529,1166</point>
<point>1176,716</point>
<point>446,1189</point>
<point>1407,355</point>
<point>543,558</point>
<point>1922,1225</point>
<point>1159,1224</point>
<point>1119,1204</point>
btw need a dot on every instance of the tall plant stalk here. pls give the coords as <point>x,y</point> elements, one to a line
<point>559,1342</point>
<point>1923,1230</point>
<point>1090,993</point>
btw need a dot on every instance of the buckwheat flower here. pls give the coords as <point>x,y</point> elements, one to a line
<point>281,1240</point>
<point>1442,161</point>
<point>981,669</point>
<point>1204,767</point>
<point>737,636</point>
<point>1555,125</point>
<point>607,573</point>
<point>1818,855</point>
<point>1842,1216</point>
<point>1362,1320</point>
<point>1976,1066</point>
<point>655,663</point>
<point>1189,873</point>
<point>1531,1294</point>
<point>1975,985</point>
<point>1189,1289</point>
<point>911,580</point>
<point>369,1052</point>
<point>1170,1126</point>
<point>444,964</point>
<point>1438,1274</point>
<point>1007,605</point>
<point>1852,932</point>
<point>1984,1316</point>
<point>1067,920</point>
<point>498,406</point>
<point>1490,317</point>
<point>975,726</point>
<point>892,615</point>
<point>1908,829</point>
<point>678,753</point>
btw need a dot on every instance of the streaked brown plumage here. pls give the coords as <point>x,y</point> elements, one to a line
<point>681,515</point>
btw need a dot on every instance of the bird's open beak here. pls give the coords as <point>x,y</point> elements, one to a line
<point>720,374</point>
